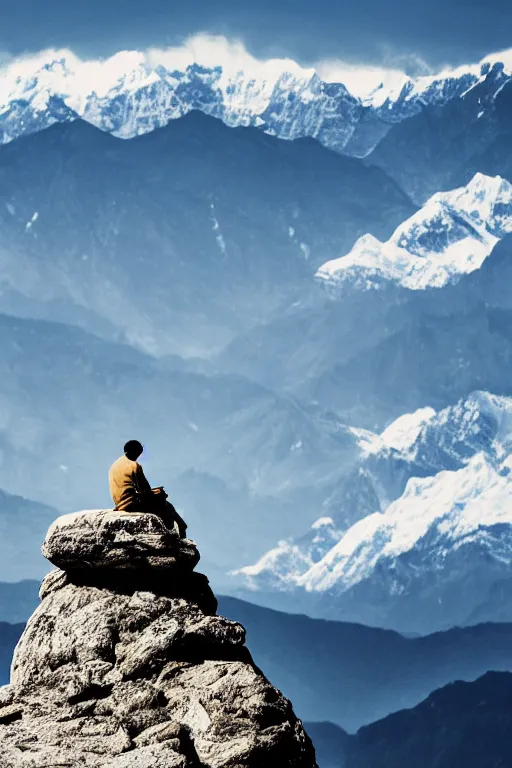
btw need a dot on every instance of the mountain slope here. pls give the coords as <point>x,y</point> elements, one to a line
<point>452,234</point>
<point>330,742</point>
<point>181,238</point>
<point>19,599</point>
<point>431,151</point>
<point>353,347</point>
<point>23,525</point>
<point>464,724</point>
<point>435,542</point>
<point>134,92</point>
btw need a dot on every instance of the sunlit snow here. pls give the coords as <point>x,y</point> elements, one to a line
<point>451,235</point>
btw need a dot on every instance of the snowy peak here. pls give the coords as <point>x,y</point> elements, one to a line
<point>401,435</point>
<point>446,509</point>
<point>403,97</point>
<point>282,567</point>
<point>455,492</point>
<point>481,422</point>
<point>134,92</point>
<point>451,235</point>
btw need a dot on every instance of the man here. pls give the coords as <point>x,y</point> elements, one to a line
<point>131,492</point>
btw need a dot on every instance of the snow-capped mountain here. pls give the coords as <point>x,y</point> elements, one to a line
<point>134,92</point>
<point>451,235</point>
<point>442,147</point>
<point>283,566</point>
<point>434,516</point>
<point>450,522</point>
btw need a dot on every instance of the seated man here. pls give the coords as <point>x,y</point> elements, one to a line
<point>131,492</point>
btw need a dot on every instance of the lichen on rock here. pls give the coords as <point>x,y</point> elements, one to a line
<point>125,663</point>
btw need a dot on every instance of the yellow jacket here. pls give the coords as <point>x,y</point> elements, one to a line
<point>127,482</point>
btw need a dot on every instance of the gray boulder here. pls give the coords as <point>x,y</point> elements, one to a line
<point>126,664</point>
<point>111,540</point>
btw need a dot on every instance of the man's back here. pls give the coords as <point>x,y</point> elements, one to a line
<point>127,480</point>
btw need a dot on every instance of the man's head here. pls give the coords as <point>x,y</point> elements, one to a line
<point>133,449</point>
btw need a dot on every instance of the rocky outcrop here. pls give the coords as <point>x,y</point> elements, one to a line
<point>126,664</point>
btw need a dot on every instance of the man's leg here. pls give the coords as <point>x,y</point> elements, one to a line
<point>178,520</point>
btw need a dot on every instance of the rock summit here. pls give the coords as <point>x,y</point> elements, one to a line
<point>125,663</point>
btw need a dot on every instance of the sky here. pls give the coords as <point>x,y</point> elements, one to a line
<point>413,35</point>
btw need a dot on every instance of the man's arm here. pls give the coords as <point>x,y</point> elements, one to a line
<point>143,487</point>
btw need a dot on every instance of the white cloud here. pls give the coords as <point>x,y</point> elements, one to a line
<point>360,80</point>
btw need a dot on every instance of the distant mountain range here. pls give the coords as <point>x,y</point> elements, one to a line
<point>179,240</point>
<point>135,92</point>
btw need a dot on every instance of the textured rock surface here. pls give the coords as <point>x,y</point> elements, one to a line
<point>125,664</point>
<point>107,539</point>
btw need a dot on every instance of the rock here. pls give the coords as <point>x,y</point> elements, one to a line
<point>126,664</point>
<point>116,540</point>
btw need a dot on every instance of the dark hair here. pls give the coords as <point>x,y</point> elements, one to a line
<point>133,449</point>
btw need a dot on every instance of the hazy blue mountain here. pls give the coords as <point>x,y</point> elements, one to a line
<point>350,674</point>
<point>19,599</point>
<point>330,742</point>
<point>9,636</point>
<point>496,604</point>
<point>23,526</point>
<point>461,725</point>
<point>182,238</point>
<point>371,355</point>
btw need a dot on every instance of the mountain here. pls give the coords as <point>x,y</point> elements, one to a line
<point>9,636</point>
<point>463,724</point>
<point>330,742</point>
<point>351,674</point>
<point>179,239</point>
<point>19,599</point>
<point>438,538</point>
<point>436,148</point>
<point>436,283</point>
<point>352,350</point>
<point>134,92</point>
<point>23,524</point>
<point>452,234</point>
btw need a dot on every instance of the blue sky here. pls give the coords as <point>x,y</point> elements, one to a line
<point>403,33</point>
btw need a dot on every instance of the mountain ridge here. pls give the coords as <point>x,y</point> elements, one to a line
<point>134,91</point>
